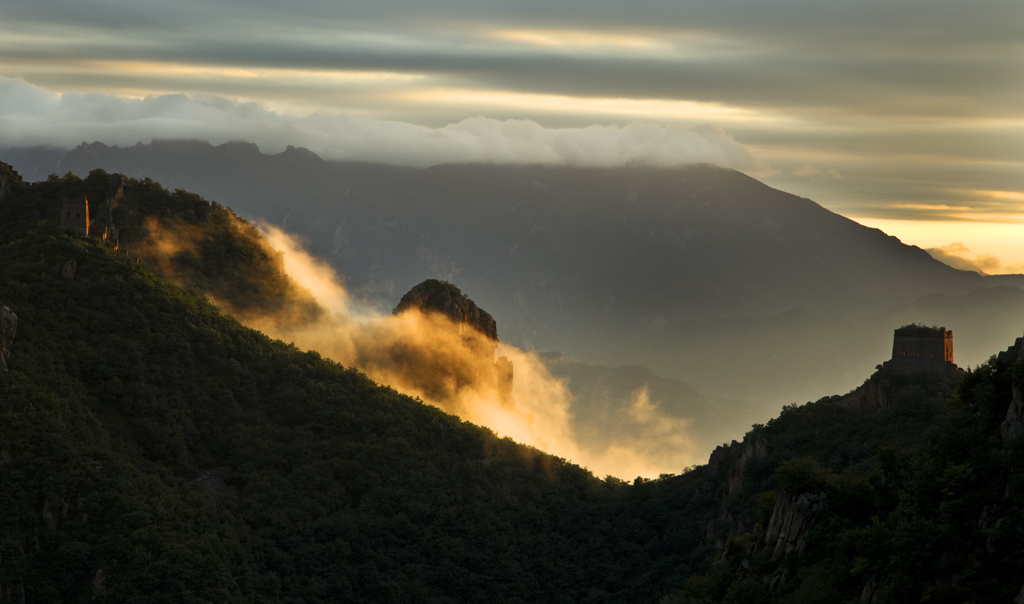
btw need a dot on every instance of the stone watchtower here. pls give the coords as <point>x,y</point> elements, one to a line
<point>920,348</point>
<point>74,214</point>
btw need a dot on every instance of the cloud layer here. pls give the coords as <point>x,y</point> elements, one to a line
<point>959,256</point>
<point>30,115</point>
<point>915,104</point>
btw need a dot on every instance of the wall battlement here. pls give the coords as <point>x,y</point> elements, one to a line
<point>919,348</point>
<point>78,215</point>
<point>74,214</point>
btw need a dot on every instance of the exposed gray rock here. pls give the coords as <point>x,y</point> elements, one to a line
<point>1013,424</point>
<point>778,581</point>
<point>735,457</point>
<point>215,478</point>
<point>69,269</point>
<point>8,329</point>
<point>791,521</point>
<point>99,585</point>
<point>869,594</point>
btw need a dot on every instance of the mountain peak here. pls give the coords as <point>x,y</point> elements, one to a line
<point>444,298</point>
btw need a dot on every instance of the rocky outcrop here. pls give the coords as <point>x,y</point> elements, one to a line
<point>443,297</point>
<point>730,464</point>
<point>883,389</point>
<point>1013,425</point>
<point>69,270</point>
<point>99,585</point>
<point>876,393</point>
<point>918,353</point>
<point>8,329</point>
<point>735,457</point>
<point>471,358</point>
<point>869,595</point>
<point>791,522</point>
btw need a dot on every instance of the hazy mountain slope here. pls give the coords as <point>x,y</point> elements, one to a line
<point>611,266</point>
<point>154,450</point>
<point>709,240</point>
<point>34,163</point>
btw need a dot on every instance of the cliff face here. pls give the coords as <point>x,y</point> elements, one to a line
<point>730,465</point>
<point>1013,425</point>
<point>887,389</point>
<point>791,522</point>
<point>443,297</point>
<point>469,360</point>
<point>8,329</point>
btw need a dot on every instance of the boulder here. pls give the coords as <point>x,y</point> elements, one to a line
<point>8,329</point>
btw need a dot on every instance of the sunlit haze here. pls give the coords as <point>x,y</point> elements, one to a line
<point>411,351</point>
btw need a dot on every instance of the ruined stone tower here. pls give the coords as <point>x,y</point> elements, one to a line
<point>74,214</point>
<point>920,348</point>
<point>7,176</point>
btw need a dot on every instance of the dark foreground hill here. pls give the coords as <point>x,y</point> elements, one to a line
<point>692,272</point>
<point>154,450</point>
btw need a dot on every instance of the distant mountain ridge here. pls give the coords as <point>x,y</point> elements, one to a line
<point>691,217</point>
<point>612,266</point>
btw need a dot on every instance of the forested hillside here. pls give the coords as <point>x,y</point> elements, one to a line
<point>932,515</point>
<point>152,449</point>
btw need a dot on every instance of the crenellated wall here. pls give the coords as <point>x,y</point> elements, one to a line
<point>74,214</point>
<point>916,348</point>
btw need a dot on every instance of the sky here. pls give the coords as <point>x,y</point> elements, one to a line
<point>905,115</point>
